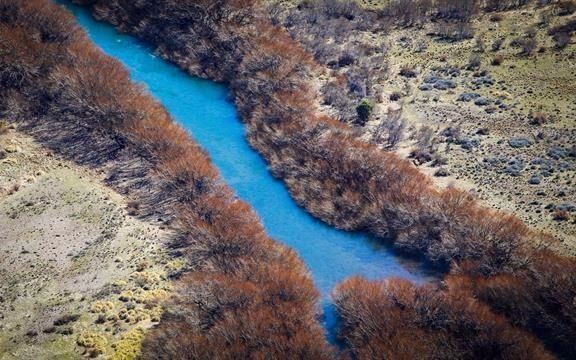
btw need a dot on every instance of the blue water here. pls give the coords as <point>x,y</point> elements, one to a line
<point>203,107</point>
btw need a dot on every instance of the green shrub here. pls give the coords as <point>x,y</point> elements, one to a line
<point>364,110</point>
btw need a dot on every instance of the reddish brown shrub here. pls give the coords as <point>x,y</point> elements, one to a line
<point>497,60</point>
<point>561,215</point>
<point>396,319</point>
<point>539,298</point>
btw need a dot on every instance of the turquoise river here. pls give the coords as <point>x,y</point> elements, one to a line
<point>204,108</point>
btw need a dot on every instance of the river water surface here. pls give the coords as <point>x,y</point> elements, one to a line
<point>205,110</point>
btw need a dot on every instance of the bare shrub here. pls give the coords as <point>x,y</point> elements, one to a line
<point>4,127</point>
<point>561,215</point>
<point>453,32</point>
<point>425,137</point>
<point>565,7</point>
<point>497,44</point>
<point>497,60</point>
<point>539,118</point>
<point>562,40</point>
<point>474,62</point>
<point>562,33</point>
<point>502,5</point>
<point>394,318</point>
<point>392,128</point>
<point>479,45</point>
<point>526,45</point>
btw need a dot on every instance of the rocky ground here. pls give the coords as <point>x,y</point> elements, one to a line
<point>78,273</point>
<point>506,131</point>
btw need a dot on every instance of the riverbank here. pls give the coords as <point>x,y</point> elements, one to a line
<point>244,294</point>
<point>340,178</point>
<point>456,108</point>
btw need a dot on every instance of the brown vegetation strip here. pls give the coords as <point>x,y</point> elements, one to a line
<point>245,296</point>
<point>395,319</point>
<point>343,180</point>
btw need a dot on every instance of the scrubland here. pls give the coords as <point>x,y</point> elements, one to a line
<point>241,294</point>
<point>507,293</point>
<point>349,182</point>
<point>453,86</point>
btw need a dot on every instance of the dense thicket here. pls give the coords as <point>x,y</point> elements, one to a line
<point>540,297</point>
<point>395,319</point>
<point>337,177</point>
<point>467,317</point>
<point>246,296</point>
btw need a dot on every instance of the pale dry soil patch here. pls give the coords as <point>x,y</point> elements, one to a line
<point>78,275</point>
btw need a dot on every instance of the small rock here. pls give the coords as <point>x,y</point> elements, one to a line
<point>520,142</point>
<point>535,180</point>
<point>12,148</point>
<point>468,96</point>
<point>482,101</point>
